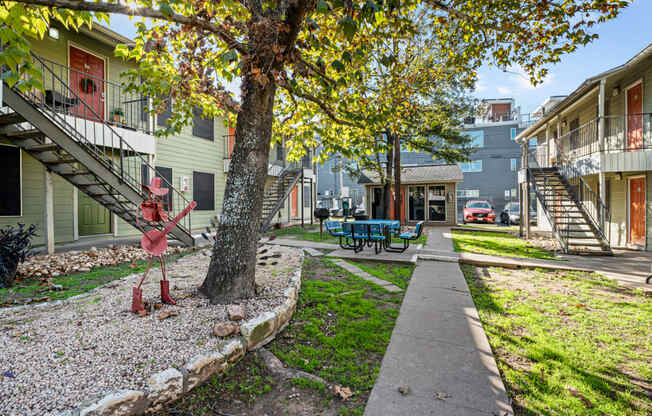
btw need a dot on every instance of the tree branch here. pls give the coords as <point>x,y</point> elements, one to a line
<point>220,30</point>
<point>329,112</point>
<point>454,12</point>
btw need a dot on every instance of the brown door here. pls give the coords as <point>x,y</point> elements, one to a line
<point>637,211</point>
<point>634,117</point>
<point>294,208</point>
<point>87,81</point>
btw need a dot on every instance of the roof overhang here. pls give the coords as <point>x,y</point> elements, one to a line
<point>586,87</point>
<point>105,35</point>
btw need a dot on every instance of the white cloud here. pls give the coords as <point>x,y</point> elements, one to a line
<point>523,80</point>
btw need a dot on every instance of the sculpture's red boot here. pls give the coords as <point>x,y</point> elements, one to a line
<point>137,300</point>
<point>165,293</point>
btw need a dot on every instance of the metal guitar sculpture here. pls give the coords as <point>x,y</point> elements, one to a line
<point>155,242</point>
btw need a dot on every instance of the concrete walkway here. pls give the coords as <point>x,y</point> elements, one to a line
<point>438,349</point>
<point>366,276</point>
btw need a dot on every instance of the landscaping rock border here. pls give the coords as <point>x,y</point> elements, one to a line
<point>171,384</point>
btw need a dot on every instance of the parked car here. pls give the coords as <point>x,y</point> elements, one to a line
<point>479,211</point>
<point>511,214</point>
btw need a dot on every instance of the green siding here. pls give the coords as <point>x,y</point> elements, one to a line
<point>33,195</point>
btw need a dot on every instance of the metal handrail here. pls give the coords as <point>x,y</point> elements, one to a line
<point>109,93</point>
<point>599,213</point>
<point>128,159</point>
<point>541,195</point>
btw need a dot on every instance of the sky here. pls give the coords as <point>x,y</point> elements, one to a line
<point>618,41</point>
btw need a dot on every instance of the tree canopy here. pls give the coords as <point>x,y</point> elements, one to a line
<point>312,50</point>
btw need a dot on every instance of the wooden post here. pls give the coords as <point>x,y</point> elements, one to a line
<point>48,218</point>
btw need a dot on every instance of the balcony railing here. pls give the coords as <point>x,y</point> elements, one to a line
<point>108,99</point>
<point>629,133</point>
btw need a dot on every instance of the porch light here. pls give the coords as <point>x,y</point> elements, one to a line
<point>616,91</point>
<point>53,32</point>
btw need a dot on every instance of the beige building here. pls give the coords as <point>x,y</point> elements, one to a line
<point>588,161</point>
<point>428,193</point>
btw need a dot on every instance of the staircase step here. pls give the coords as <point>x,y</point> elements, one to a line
<point>26,134</point>
<point>39,148</point>
<point>59,161</point>
<point>11,118</point>
<point>581,243</point>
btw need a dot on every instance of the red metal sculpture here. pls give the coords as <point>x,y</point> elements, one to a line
<point>155,242</point>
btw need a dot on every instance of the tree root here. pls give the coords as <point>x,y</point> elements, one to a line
<point>276,367</point>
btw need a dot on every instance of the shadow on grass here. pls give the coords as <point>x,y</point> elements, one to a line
<point>547,374</point>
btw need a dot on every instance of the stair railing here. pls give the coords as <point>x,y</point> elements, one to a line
<point>555,216</point>
<point>581,192</point>
<point>280,190</point>
<point>66,108</point>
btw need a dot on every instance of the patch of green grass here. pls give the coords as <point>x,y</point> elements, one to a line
<point>568,343</point>
<point>398,274</point>
<point>76,283</point>
<point>497,245</point>
<point>307,234</point>
<point>489,227</point>
<point>340,330</point>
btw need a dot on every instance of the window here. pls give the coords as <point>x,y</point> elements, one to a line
<point>306,195</point>
<point>203,191</point>
<point>166,173</point>
<point>513,164</point>
<point>437,203</point>
<point>574,133</point>
<point>468,193</point>
<point>144,174</point>
<point>473,166</point>
<point>512,133</point>
<point>10,190</point>
<point>279,152</point>
<point>162,118</point>
<point>477,138</point>
<point>506,193</point>
<point>513,192</point>
<point>202,127</point>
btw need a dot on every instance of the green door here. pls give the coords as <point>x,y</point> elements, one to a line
<point>93,217</point>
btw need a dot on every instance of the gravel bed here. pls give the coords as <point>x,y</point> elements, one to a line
<point>62,354</point>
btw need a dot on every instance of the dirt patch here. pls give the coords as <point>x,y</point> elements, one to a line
<point>249,389</point>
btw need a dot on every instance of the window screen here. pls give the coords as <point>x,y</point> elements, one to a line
<point>306,195</point>
<point>203,191</point>
<point>166,173</point>
<point>10,185</point>
<point>165,115</point>
<point>202,127</point>
<point>144,174</point>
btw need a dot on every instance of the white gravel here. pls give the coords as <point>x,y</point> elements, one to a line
<point>63,354</point>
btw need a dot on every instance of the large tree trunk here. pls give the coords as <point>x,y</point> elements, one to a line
<point>231,273</point>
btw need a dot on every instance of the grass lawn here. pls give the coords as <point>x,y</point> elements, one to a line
<point>33,290</point>
<point>339,332</point>
<point>567,343</point>
<point>397,273</point>
<point>497,245</point>
<point>489,227</point>
<point>309,234</point>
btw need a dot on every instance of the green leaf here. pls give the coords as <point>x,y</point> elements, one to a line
<point>349,27</point>
<point>338,66</point>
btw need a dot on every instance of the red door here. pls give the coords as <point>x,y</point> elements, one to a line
<point>637,211</point>
<point>231,140</point>
<point>294,207</point>
<point>634,117</point>
<point>87,81</point>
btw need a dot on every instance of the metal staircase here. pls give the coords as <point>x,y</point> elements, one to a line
<point>277,193</point>
<point>68,136</point>
<point>575,212</point>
